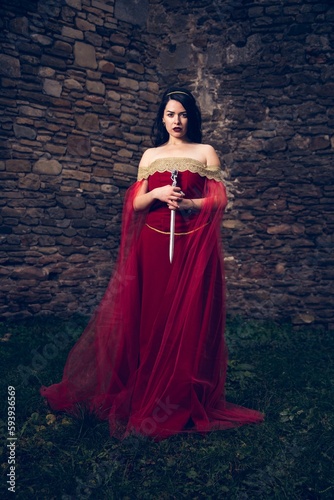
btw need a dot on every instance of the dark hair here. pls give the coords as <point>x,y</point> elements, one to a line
<point>159,133</point>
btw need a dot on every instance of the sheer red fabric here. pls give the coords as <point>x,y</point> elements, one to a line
<point>153,359</point>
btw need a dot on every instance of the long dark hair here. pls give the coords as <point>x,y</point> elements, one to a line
<point>159,133</point>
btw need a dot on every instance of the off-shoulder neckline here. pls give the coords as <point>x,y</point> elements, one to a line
<point>177,158</point>
<point>182,164</point>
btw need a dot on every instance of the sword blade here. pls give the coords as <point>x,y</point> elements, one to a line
<point>172,221</point>
<point>171,237</point>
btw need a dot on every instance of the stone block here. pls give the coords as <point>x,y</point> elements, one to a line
<point>148,97</point>
<point>275,144</point>
<point>53,62</point>
<point>107,67</point>
<point>96,87</point>
<point>46,41</point>
<point>83,25</point>
<point>46,72</point>
<point>62,49</point>
<point>317,143</point>
<point>10,66</point>
<point>78,145</point>
<point>125,168</point>
<point>103,6</point>
<point>89,122</point>
<point>71,202</point>
<point>52,87</point>
<point>55,149</point>
<point>47,167</point>
<point>22,132</point>
<point>72,84</point>
<point>19,25</point>
<point>75,4</point>
<point>280,229</point>
<point>101,152</point>
<point>30,181</point>
<point>30,273</point>
<point>93,38</point>
<point>76,174</point>
<point>85,55</point>
<point>18,166</point>
<point>72,33</point>
<point>128,83</point>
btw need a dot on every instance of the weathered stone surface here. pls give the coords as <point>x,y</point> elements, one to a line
<point>30,111</point>
<point>22,132</point>
<point>20,25</point>
<point>74,202</point>
<point>46,72</point>
<point>30,273</point>
<point>89,122</point>
<point>76,174</point>
<point>76,4</point>
<point>85,55</point>
<point>128,83</point>
<point>53,62</point>
<point>30,181</point>
<point>96,87</point>
<point>72,33</point>
<point>18,166</point>
<point>132,11</point>
<point>78,145</point>
<point>83,25</point>
<point>52,87</point>
<point>107,67</point>
<point>62,48</point>
<point>47,167</point>
<point>72,84</point>
<point>42,39</point>
<point>103,6</point>
<point>10,66</point>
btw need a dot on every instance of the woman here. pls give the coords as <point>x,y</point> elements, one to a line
<point>152,360</point>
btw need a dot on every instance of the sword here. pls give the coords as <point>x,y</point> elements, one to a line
<point>172,221</point>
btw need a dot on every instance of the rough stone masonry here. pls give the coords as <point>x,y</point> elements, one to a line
<point>80,83</point>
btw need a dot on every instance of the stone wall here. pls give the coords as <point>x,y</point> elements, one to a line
<point>80,81</point>
<point>77,92</point>
<point>263,71</point>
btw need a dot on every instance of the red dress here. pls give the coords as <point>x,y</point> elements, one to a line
<point>153,359</point>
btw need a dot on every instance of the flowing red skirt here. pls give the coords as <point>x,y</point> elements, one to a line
<point>153,358</point>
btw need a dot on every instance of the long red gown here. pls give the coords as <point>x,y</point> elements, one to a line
<point>153,358</point>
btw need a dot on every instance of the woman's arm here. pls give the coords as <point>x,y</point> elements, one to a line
<point>195,204</point>
<point>167,194</point>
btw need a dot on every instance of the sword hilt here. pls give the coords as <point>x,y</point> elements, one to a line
<point>174,177</point>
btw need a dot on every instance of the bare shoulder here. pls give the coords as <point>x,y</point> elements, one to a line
<point>210,154</point>
<point>147,157</point>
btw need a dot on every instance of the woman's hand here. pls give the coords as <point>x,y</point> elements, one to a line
<point>172,195</point>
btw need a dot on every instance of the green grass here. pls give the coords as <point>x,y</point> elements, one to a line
<point>286,373</point>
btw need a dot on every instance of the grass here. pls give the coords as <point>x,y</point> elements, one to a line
<point>286,373</point>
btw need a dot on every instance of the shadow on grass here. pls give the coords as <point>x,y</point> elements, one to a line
<point>287,374</point>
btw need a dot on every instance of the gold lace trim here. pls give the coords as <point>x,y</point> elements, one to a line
<point>181,164</point>
<point>178,234</point>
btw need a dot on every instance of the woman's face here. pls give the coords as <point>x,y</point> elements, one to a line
<point>175,119</point>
